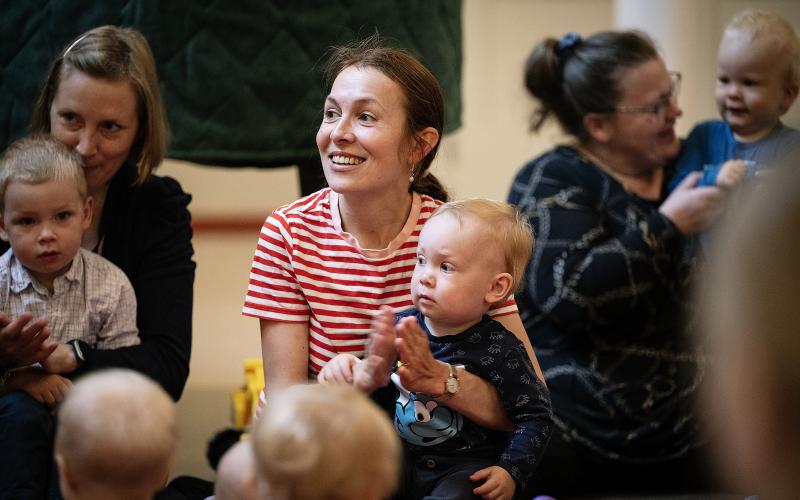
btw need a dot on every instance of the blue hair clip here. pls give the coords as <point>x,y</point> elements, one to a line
<point>566,46</point>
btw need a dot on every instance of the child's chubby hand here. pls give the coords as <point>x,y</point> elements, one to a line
<point>731,174</point>
<point>374,370</point>
<point>339,370</point>
<point>46,388</point>
<point>498,483</point>
<point>62,360</point>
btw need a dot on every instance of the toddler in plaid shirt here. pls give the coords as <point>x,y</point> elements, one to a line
<point>44,211</point>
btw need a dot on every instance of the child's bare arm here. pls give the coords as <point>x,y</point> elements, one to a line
<point>730,174</point>
<point>497,483</point>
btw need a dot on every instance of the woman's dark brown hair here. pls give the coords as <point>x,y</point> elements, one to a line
<point>575,76</point>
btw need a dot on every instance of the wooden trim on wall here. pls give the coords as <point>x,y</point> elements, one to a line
<point>227,224</point>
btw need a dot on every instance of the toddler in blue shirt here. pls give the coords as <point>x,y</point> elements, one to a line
<point>758,75</point>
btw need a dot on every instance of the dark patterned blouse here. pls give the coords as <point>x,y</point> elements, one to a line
<point>603,303</point>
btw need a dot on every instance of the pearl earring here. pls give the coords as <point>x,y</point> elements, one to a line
<point>411,179</point>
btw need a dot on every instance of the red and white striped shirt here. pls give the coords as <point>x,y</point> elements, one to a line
<point>306,269</point>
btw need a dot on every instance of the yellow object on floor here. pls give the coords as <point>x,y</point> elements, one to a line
<point>244,400</point>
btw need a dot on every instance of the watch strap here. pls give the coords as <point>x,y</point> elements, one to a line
<point>80,357</point>
<point>454,375</point>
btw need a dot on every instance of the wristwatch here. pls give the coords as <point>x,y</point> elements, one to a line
<point>76,347</point>
<point>451,384</point>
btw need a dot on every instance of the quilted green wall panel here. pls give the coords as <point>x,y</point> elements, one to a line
<point>241,79</point>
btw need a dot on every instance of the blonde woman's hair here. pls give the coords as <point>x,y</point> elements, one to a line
<point>756,23</point>
<point>503,226</point>
<point>37,159</point>
<point>117,54</point>
<point>117,428</point>
<point>331,442</point>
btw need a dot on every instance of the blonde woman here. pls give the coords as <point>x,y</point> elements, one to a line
<point>101,98</point>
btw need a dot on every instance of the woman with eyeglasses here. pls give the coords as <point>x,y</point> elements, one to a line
<point>604,295</point>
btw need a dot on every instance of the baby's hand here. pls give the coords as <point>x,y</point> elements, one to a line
<point>62,360</point>
<point>498,485</point>
<point>339,370</point>
<point>46,388</point>
<point>731,174</point>
<point>376,367</point>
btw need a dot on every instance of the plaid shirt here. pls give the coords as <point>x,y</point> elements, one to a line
<point>93,301</point>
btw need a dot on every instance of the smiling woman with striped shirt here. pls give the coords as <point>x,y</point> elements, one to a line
<point>325,263</point>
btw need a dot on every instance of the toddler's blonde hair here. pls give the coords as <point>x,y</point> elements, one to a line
<point>37,159</point>
<point>503,226</point>
<point>756,23</point>
<point>117,428</point>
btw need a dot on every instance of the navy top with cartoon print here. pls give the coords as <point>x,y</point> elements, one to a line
<point>493,353</point>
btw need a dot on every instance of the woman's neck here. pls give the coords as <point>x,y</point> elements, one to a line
<point>644,181</point>
<point>374,221</point>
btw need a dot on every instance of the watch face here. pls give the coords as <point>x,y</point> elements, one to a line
<point>451,385</point>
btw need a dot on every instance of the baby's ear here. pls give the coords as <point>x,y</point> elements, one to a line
<point>789,95</point>
<point>500,289</point>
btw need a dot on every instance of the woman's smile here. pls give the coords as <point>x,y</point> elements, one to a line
<point>340,159</point>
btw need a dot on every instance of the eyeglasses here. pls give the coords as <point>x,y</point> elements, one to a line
<point>659,109</point>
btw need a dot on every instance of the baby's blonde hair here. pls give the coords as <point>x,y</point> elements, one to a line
<point>37,159</point>
<point>503,226</point>
<point>117,428</point>
<point>316,442</point>
<point>757,23</point>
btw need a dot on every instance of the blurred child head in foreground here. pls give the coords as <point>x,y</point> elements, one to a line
<point>116,437</point>
<point>324,442</point>
<point>751,324</point>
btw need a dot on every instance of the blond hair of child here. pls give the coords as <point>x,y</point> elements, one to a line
<point>325,442</point>
<point>116,437</point>
<point>755,24</point>
<point>504,229</point>
<point>37,159</point>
